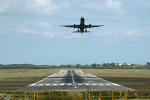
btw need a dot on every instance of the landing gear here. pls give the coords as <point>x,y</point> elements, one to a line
<point>86,30</point>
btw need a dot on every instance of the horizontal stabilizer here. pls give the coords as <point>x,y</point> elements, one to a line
<point>76,32</point>
<point>81,32</point>
<point>86,32</point>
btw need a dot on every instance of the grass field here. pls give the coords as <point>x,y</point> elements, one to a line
<point>20,78</point>
<point>137,79</point>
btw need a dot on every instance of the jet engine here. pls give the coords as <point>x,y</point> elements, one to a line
<point>89,25</point>
<point>74,26</point>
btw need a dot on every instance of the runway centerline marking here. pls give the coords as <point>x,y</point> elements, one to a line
<point>72,77</point>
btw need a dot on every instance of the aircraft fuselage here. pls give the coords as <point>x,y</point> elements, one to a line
<point>82,25</point>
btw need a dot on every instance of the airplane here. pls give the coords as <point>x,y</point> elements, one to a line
<point>82,28</point>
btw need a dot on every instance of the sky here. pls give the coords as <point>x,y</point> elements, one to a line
<point>30,32</point>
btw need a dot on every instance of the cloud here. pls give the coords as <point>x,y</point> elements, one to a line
<point>104,5</point>
<point>44,24</point>
<point>45,6</point>
<point>49,34</point>
<point>114,5</point>
<point>45,34</point>
<point>32,6</point>
<point>142,31</point>
<point>3,7</point>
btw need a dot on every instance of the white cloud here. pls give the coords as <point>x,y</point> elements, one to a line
<point>49,34</point>
<point>130,32</point>
<point>44,24</point>
<point>104,5</point>
<point>32,6</point>
<point>3,7</point>
<point>114,5</point>
<point>142,31</point>
<point>45,34</point>
<point>45,6</point>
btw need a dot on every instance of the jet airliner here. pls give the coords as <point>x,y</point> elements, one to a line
<point>82,28</point>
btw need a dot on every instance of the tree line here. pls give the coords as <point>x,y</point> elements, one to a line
<point>94,65</point>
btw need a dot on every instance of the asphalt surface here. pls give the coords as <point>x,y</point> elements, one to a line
<point>73,80</point>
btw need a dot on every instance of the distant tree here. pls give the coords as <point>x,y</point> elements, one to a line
<point>113,65</point>
<point>148,63</point>
<point>94,65</point>
<point>104,65</point>
<point>78,65</point>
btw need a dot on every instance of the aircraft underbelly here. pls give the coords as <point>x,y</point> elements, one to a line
<point>81,30</point>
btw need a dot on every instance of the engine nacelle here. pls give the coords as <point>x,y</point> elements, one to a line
<point>89,25</point>
<point>74,26</point>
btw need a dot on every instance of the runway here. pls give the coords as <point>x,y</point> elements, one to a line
<point>73,80</point>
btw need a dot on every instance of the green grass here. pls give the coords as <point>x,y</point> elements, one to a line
<point>23,77</point>
<point>137,79</point>
<point>119,72</point>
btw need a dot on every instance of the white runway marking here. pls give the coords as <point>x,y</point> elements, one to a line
<point>54,84</point>
<point>57,81</point>
<point>101,84</point>
<point>115,84</point>
<point>90,81</point>
<point>62,84</point>
<point>40,84</point>
<point>68,84</point>
<point>93,84</point>
<point>32,84</point>
<point>47,84</point>
<point>79,84</point>
<point>108,84</point>
<point>72,77</point>
<point>86,84</point>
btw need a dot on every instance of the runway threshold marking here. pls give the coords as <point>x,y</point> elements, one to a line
<point>108,84</point>
<point>68,84</point>
<point>40,84</point>
<point>114,84</point>
<point>57,81</point>
<point>62,84</point>
<point>90,81</point>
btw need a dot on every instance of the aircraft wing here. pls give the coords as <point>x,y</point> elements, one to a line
<point>91,26</point>
<point>71,26</point>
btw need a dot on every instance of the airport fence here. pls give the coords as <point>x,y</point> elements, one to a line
<point>73,95</point>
